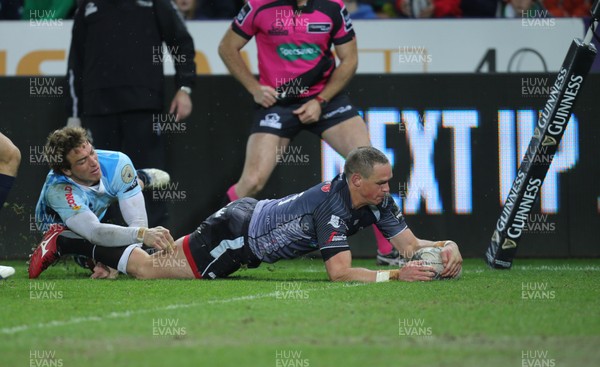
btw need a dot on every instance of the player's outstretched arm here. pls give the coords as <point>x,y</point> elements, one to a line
<point>133,210</point>
<point>339,268</point>
<point>407,244</point>
<point>87,225</point>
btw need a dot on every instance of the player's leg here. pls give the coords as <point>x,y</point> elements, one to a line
<point>343,137</point>
<point>160,265</point>
<point>10,158</point>
<point>59,241</point>
<point>261,159</point>
<point>272,129</point>
<point>215,250</point>
<point>347,135</point>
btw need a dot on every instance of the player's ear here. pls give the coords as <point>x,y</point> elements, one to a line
<point>66,172</point>
<point>356,179</point>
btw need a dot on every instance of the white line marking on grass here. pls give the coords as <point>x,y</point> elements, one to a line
<point>474,271</point>
<point>558,267</point>
<point>125,314</point>
<point>243,298</point>
<point>537,268</point>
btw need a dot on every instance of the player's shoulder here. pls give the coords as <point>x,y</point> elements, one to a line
<point>338,184</point>
<point>254,6</point>
<point>325,189</point>
<point>116,166</point>
<point>58,188</point>
<point>109,157</point>
<point>330,193</point>
<point>388,204</point>
<point>334,204</point>
<point>336,10</point>
<point>55,181</point>
<point>331,7</point>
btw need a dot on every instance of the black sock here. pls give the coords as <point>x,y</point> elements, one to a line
<point>109,256</point>
<point>74,246</point>
<point>6,183</point>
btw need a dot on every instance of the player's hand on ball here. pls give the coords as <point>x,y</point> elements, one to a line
<point>452,260</point>
<point>416,271</point>
<point>265,96</point>
<point>159,238</point>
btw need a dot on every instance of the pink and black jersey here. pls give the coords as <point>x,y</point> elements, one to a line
<point>294,43</point>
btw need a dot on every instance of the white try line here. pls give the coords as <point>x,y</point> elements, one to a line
<point>484,269</point>
<point>126,314</point>
<point>558,267</point>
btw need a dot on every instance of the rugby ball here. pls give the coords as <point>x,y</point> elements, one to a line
<point>430,256</point>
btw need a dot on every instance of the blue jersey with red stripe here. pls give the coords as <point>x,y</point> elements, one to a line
<point>61,197</point>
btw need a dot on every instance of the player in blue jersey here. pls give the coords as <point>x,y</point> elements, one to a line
<point>247,232</point>
<point>81,185</point>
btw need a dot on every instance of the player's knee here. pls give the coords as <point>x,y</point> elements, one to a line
<point>133,270</point>
<point>139,271</point>
<point>142,274</point>
<point>10,158</point>
<point>139,265</point>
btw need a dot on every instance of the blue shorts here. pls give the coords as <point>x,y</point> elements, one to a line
<point>281,121</point>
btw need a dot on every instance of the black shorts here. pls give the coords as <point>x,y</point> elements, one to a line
<point>281,121</point>
<point>219,246</point>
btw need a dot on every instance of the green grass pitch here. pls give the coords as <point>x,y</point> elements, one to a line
<point>540,313</point>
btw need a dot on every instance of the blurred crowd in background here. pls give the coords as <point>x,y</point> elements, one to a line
<point>364,9</point>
